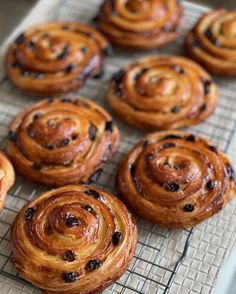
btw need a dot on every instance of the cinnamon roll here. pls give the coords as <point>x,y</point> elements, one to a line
<point>75,239</point>
<point>140,24</point>
<point>62,141</point>
<point>175,179</point>
<point>56,57</point>
<point>212,42</point>
<point>7,178</point>
<point>163,92</point>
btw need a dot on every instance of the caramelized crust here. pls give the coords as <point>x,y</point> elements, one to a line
<point>75,239</point>
<point>212,42</point>
<point>163,92</point>
<point>175,179</point>
<point>62,141</point>
<point>7,178</point>
<point>140,24</point>
<point>56,57</point>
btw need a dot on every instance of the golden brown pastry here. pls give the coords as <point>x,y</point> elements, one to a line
<point>7,178</point>
<point>162,92</point>
<point>175,179</point>
<point>140,24</point>
<point>62,141</point>
<point>56,57</point>
<point>75,239</point>
<point>212,42</point>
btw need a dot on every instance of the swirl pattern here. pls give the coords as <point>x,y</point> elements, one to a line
<point>57,57</point>
<point>163,92</point>
<point>7,177</point>
<point>73,240</point>
<point>140,24</point>
<point>175,179</point>
<point>62,141</point>
<point>212,42</point>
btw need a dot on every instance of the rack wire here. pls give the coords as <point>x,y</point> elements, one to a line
<point>158,265</point>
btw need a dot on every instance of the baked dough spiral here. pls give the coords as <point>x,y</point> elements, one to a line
<point>74,239</point>
<point>212,42</point>
<point>140,24</point>
<point>175,179</point>
<point>162,92</point>
<point>7,178</point>
<point>62,141</point>
<point>54,58</point>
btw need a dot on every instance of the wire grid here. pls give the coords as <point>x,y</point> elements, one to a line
<point>158,265</point>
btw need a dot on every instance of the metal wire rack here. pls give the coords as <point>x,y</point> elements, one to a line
<point>160,252</point>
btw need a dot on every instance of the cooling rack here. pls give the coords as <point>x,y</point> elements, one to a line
<point>166,261</point>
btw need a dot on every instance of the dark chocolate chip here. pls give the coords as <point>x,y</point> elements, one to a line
<point>20,39</point>
<point>95,176</point>
<point>30,44</point>
<point>92,132</point>
<point>88,208</point>
<point>70,277</point>
<point>203,107</point>
<point>172,136</point>
<point>189,207</point>
<point>116,238</point>
<point>93,264</point>
<point>66,100</point>
<point>178,69</point>
<point>230,172</point>
<point>109,126</point>
<point>12,136</point>
<point>172,187</point>
<point>207,86</point>
<point>176,109</point>
<point>213,148</point>
<point>211,184</point>
<point>70,68</point>
<point>169,145</point>
<point>191,138</point>
<point>72,221</point>
<point>132,169</point>
<point>108,51</point>
<point>36,166</point>
<point>64,142</point>
<point>93,193</point>
<point>69,256</point>
<point>30,213</point>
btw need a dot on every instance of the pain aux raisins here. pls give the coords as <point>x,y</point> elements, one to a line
<point>93,264</point>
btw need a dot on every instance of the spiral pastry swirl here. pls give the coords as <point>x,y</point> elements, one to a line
<point>7,178</point>
<point>56,57</point>
<point>74,239</point>
<point>163,92</point>
<point>62,141</point>
<point>140,24</point>
<point>175,179</point>
<point>212,42</point>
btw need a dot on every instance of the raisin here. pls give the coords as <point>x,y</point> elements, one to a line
<point>116,238</point>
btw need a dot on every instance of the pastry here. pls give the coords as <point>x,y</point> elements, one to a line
<point>212,42</point>
<point>140,24</point>
<point>7,178</point>
<point>175,179</point>
<point>74,239</point>
<point>162,92</point>
<point>62,141</point>
<point>57,57</point>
